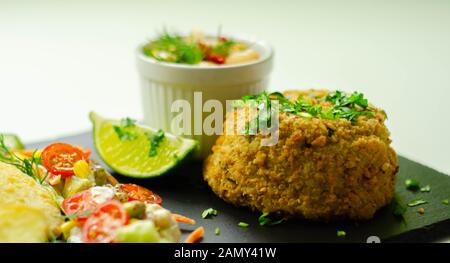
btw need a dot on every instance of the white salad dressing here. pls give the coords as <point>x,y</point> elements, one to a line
<point>101,194</point>
<point>75,235</point>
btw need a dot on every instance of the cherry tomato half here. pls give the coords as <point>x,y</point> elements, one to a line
<point>102,225</point>
<point>139,193</point>
<point>80,205</point>
<point>59,158</point>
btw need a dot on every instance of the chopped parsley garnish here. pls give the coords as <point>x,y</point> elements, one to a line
<point>343,106</point>
<point>155,139</point>
<point>412,184</point>
<point>173,48</point>
<point>445,201</point>
<point>29,166</point>
<point>417,202</point>
<point>217,231</point>
<point>341,99</point>
<point>243,224</point>
<point>223,49</point>
<point>208,213</point>
<point>398,209</point>
<point>425,189</point>
<point>123,130</point>
<point>263,103</point>
<point>341,233</point>
<point>265,219</point>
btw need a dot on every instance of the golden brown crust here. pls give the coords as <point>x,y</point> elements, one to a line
<point>18,188</point>
<point>319,169</point>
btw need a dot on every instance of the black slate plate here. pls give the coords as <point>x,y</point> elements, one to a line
<point>184,192</point>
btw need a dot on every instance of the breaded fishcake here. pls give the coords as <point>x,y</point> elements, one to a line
<point>320,169</point>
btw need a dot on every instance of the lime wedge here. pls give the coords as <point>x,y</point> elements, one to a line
<point>12,141</point>
<point>135,155</point>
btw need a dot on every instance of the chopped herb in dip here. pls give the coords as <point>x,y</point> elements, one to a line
<point>445,201</point>
<point>196,49</point>
<point>208,213</point>
<point>217,231</point>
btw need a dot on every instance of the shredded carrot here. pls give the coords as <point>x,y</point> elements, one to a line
<point>183,219</point>
<point>195,236</point>
<point>111,179</point>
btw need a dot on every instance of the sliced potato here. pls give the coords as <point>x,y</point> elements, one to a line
<point>22,224</point>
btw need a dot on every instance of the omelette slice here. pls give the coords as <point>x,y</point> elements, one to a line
<point>20,195</point>
<point>22,224</point>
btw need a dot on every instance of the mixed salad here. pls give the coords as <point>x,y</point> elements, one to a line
<point>198,49</point>
<point>96,207</point>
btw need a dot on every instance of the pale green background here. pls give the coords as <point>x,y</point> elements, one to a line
<point>61,59</point>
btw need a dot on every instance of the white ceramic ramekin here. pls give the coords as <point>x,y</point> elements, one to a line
<point>163,83</point>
